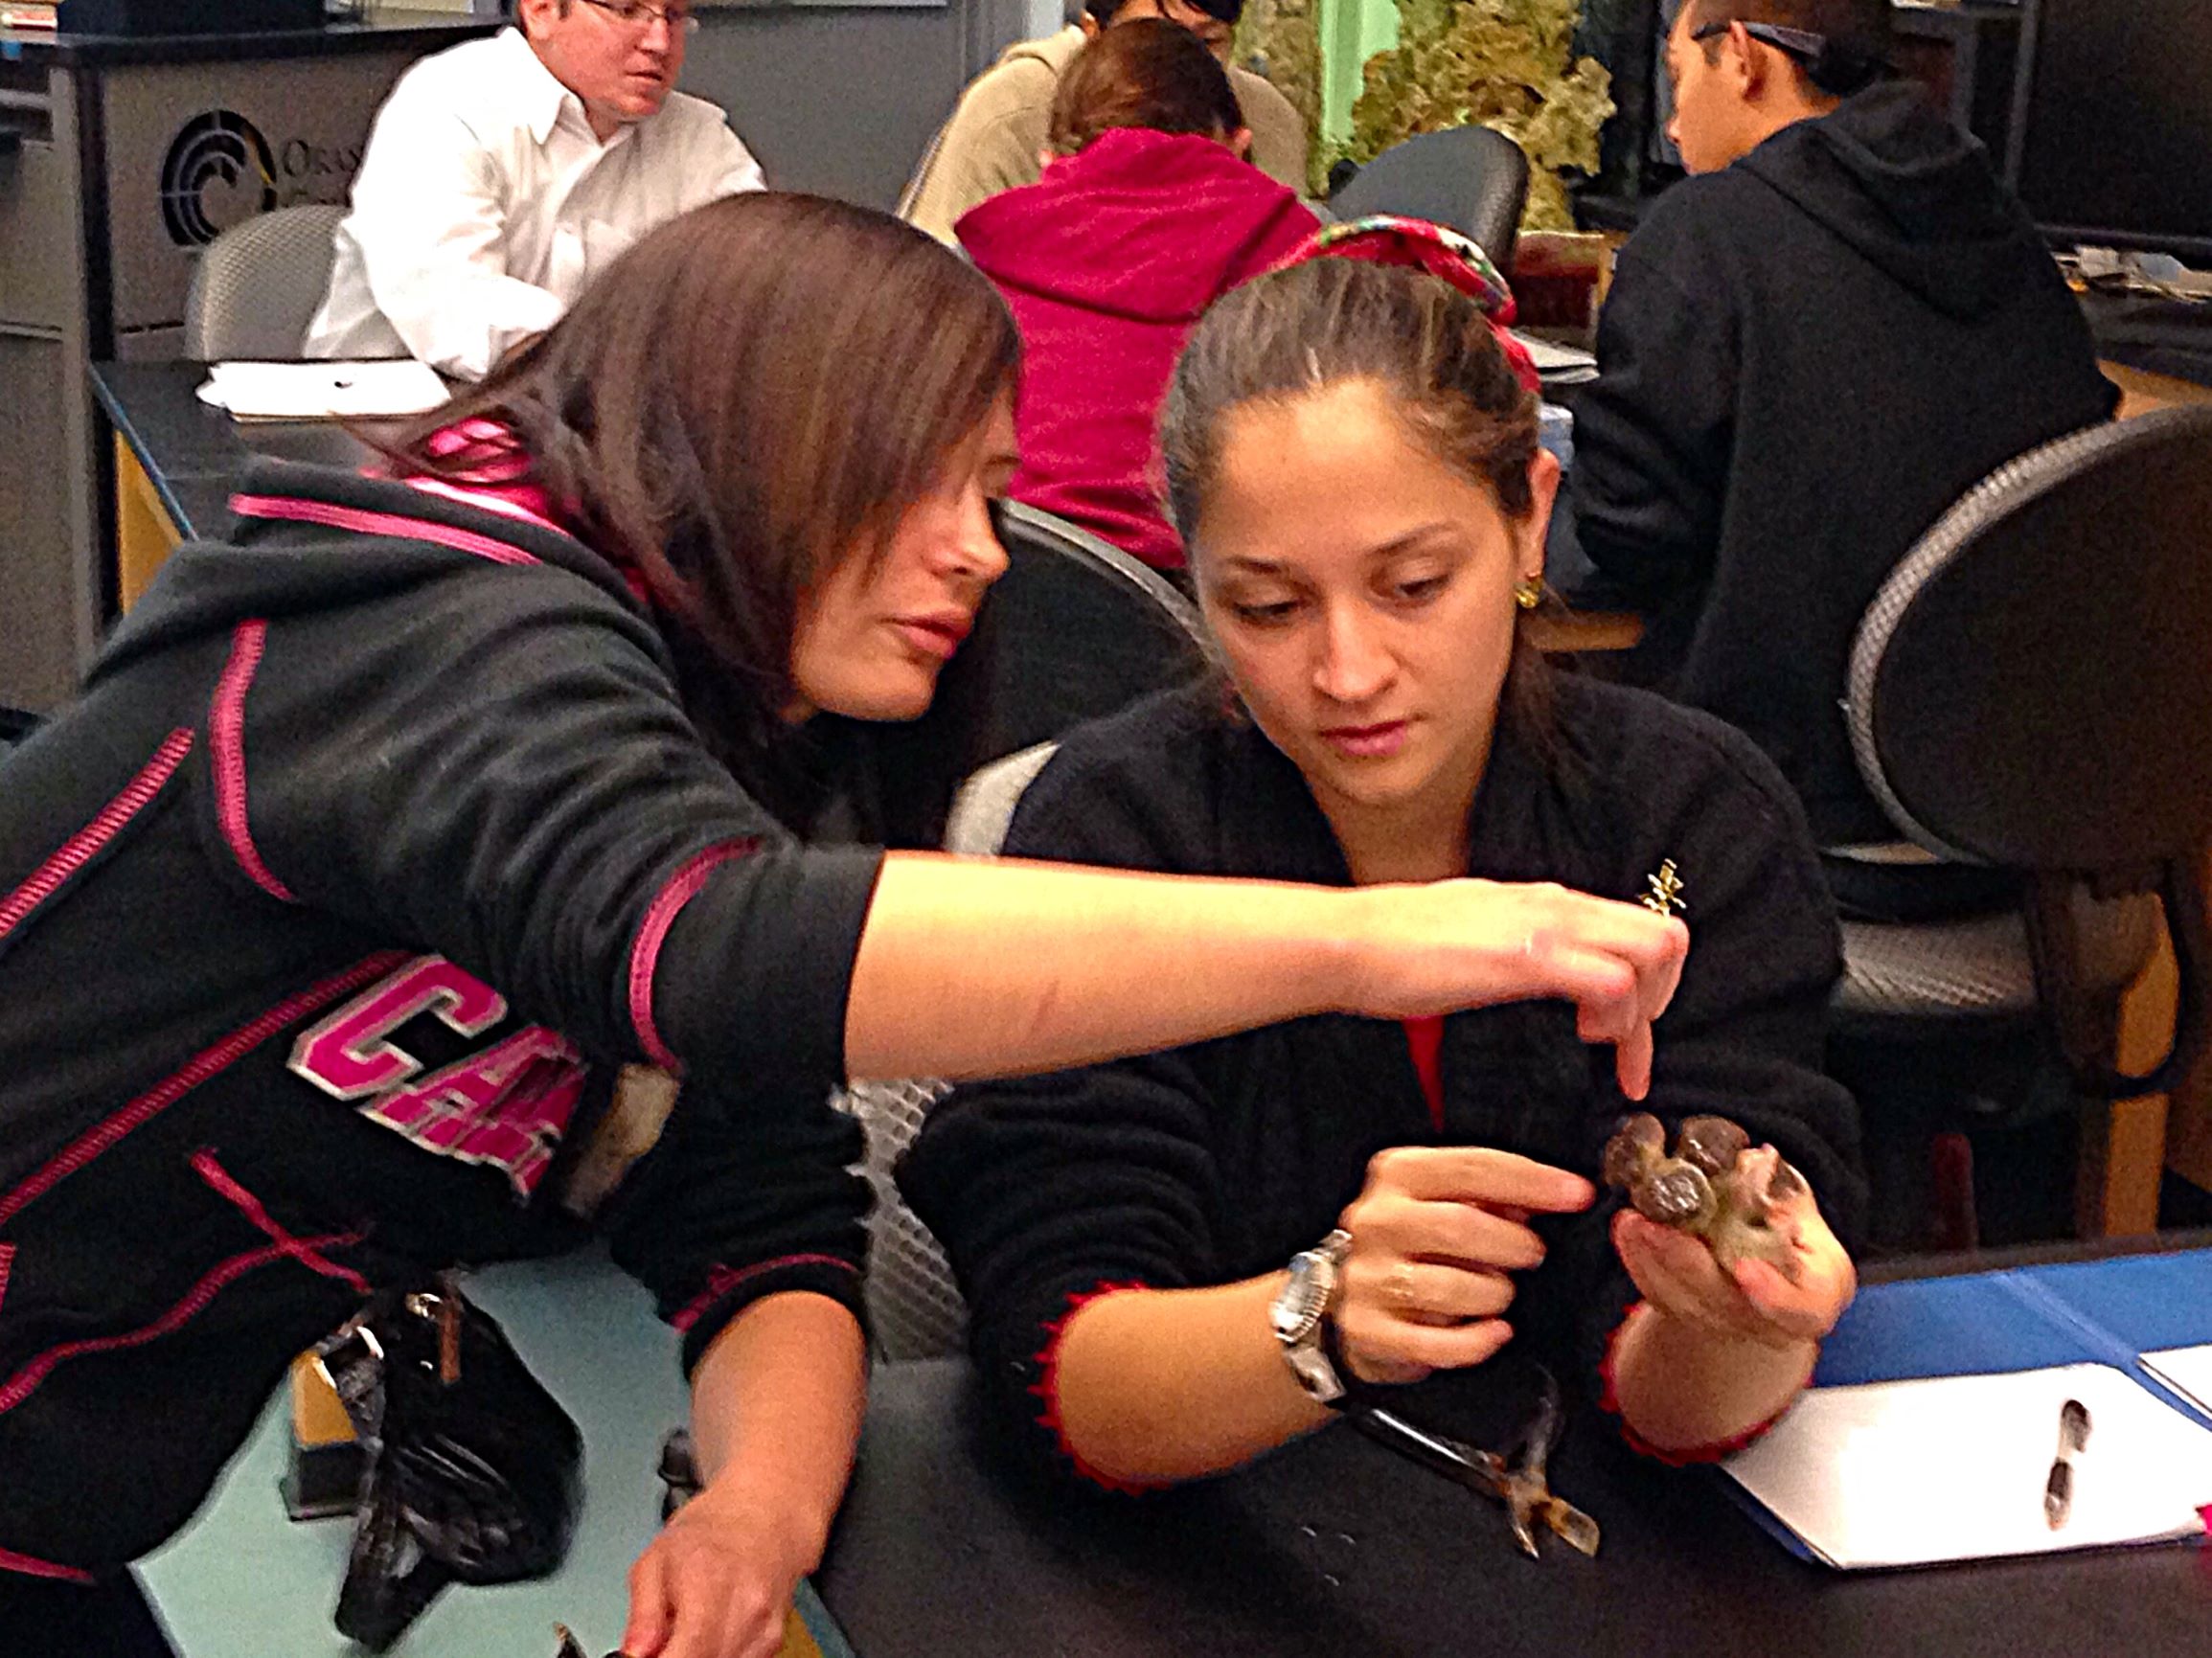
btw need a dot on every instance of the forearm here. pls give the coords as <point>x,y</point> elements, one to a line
<point>1681,1385</point>
<point>461,320</point>
<point>973,967</point>
<point>776,1408</point>
<point>1157,1386</point>
<point>970,969</point>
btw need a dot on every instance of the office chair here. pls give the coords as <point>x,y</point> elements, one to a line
<point>1075,629</point>
<point>2031,691</point>
<point>259,284</point>
<point>1469,178</point>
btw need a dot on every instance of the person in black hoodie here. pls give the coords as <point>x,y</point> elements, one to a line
<point>1174,1264</point>
<point>1810,350</point>
<point>384,835</point>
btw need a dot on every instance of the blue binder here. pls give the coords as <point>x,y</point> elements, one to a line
<point>2109,1311</point>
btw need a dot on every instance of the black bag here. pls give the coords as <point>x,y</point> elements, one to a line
<point>473,1472</point>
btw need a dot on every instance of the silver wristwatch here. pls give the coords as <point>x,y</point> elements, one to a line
<point>1301,1311</point>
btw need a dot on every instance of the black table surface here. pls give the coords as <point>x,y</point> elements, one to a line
<point>196,455</point>
<point>1335,1547</point>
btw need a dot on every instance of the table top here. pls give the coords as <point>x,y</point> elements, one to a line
<point>194,454</point>
<point>1332,1546</point>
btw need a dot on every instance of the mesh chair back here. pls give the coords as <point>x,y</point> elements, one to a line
<point>1075,629</point>
<point>2032,689</point>
<point>1469,178</point>
<point>914,1304</point>
<point>982,810</point>
<point>259,284</point>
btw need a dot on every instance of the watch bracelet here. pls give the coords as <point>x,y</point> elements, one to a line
<point>1360,1393</point>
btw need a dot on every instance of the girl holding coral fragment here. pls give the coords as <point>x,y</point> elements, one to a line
<point>1355,469</point>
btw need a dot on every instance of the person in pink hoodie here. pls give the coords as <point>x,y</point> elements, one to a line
<point>1146,213</point>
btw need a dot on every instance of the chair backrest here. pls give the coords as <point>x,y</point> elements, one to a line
<point>1075,629</point>
<point>1468,178</point>
<point>2032,685</point>
<point>982,810</point>
<point>259,284</point>
<point>914,1304</point>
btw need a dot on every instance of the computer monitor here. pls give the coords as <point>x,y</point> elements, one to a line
<point>2115,143</point>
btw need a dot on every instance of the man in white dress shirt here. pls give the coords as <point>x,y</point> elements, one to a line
<point>502,175</point>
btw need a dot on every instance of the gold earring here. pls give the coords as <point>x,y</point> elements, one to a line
<point>1528,594</point>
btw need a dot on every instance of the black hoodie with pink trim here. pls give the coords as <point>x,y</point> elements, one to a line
<point>377,841</point>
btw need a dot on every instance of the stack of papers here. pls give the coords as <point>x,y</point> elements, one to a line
<point>1558,365</point>
<point>333,391</point>
<point>1911,1473</point>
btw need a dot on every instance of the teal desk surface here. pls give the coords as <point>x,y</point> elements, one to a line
<point>246,1582</point>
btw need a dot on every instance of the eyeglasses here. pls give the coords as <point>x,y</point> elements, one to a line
<point>640,15</point>
<point>1799,43</point>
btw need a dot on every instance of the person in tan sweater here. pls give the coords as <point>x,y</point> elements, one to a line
<point>996,138</point>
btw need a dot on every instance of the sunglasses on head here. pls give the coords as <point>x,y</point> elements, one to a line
<point>1800,43</point>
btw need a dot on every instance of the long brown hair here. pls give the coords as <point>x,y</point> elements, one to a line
<point>1294,332</point>
<point>753,393</point>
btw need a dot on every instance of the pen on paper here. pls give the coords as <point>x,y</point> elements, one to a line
<point>2073,1439</point>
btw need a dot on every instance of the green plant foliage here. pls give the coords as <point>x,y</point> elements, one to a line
<point>1281,40</point>
<point>1507,65</point>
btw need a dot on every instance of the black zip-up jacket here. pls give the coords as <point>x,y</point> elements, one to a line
<point>1805,358</point>
<point>376,842</point>
<point>1216,1162</point>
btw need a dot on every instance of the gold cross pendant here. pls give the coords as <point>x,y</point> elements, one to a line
<point>1666,895</point>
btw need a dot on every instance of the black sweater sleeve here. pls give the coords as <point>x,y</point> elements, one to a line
<point>499,769</point>
<point>1653,433</point>
<point>735,1202</point>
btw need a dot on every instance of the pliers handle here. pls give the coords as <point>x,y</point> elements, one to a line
<point>1521,1482</point>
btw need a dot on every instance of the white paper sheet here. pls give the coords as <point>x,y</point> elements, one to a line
<point>323,391</point>
<point>1553,359</point>
<point>2187,1371</point>
<point>1912,1473</point>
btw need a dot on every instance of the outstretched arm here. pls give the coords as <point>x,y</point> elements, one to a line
<point>973,968</point>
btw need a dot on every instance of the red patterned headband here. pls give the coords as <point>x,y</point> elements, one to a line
<point>1417,244</point>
